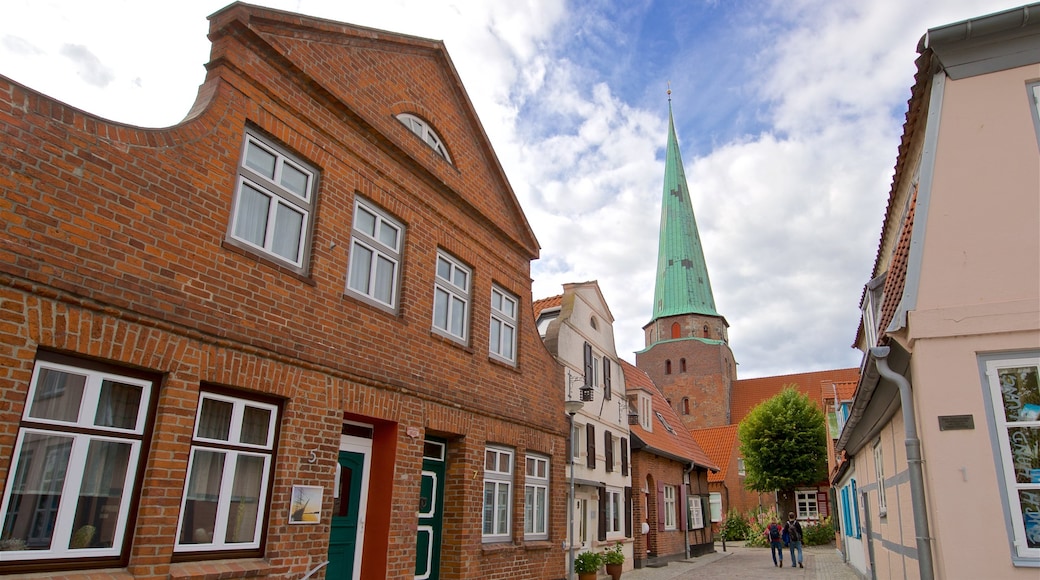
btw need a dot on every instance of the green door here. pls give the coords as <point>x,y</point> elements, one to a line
<point>431,507</point>
<point>345,512</point>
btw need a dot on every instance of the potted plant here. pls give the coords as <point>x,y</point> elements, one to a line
<point>586,564</point>
<point>615,560</point>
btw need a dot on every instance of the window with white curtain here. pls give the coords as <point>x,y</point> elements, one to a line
<point>615,511</point>
<point>224,505</point>
<point>805,500</point>
<point>536,498</point>
<point>669,507</point>
<point>695,513</point>
<point>498,485</point>
<point>74,470</point>
<point>503,325</point>
<point>715,506</point>
<point>451,298</point>
<point>879,475</point>
<point>274,201</point>
<point>375,255</point>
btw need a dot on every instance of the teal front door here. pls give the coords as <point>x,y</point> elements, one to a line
<point>431,507</point>
<point>346,509</point>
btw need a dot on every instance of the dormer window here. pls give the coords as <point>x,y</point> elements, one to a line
<point>645,412</point>
<point>871,307</point>
<point>425,132</point>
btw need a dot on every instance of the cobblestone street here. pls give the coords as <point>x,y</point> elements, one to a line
<point>739,562</point>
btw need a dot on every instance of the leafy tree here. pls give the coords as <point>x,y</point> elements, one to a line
<point>783,441</point>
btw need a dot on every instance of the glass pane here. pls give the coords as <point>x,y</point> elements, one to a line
<point>100,493</point>
<point>507,342</point>
<point>461,279</point>
<point>118,406</point>
<point>58,395</point>
<point>532,468</point>
<point>496,336</point>
<point>1021,393</point>
<point>200,504</point>
<point>388,235</point>
<point>489,508</point>
<point>288,227</point>
<point>503,463</point>
<point>36,492</point>
<point>1029,500</point>
<point>458,316</point>
<point>245,499</point>
<point>529,509</point>
<point>502,509</point>
<point>260,160</point>
<point>215,419</point>
<point>539,513</point>
<point>256,425</point>
<point>251,221</point>
<point>496,300</point>
<point>443,269</point>
<point>294,180</point>
<point>360,268</point>
<point>1025,453</point>
<point>365,221</point>
<point>440,308</point>
<point>384,279</point>
<point>509,308</point>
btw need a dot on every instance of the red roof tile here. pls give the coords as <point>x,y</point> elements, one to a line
<point>545,304</point>
<point>895,279</point>
<point>675,442</point>
<point>748,393</point>
<point>718,443</point>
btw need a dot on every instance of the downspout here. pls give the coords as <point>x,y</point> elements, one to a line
<point>686,530</point>
<point>913,460</point>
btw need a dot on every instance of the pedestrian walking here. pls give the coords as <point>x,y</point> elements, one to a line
<point>776,548</point>
<point>794,531</point>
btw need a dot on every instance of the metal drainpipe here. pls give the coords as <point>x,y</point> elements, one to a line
<point>686,532</point>
<point>913,460</point>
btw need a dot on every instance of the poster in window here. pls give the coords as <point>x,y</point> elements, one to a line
<point>305,507</point>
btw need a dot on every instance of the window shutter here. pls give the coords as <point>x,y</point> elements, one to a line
<point>589,371</point>
<point>624,456</point>
<point>606,378</point>
<point>680,506</point>
<point>608,450</point>
<point>590,447</point>
<point>660,506</point>
<point>628,512</point>
<point>603,498</point>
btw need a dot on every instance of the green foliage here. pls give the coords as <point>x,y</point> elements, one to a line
<point>587,562</point>
<point>758,521</point>
<point>818,534</point>
<point>614,555</point>
<point>784,443</point>
<point>734,527</point>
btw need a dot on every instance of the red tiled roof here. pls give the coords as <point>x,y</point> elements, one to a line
<point>676,442</point>
<point>895,280</point>
<point>546,303</point>
<point>846,390</point>
<point>748,393</point>
<point>718,443</point>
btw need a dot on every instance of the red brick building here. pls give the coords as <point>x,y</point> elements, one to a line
<point>290,330</point>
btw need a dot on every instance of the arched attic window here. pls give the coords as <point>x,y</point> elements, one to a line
<point>682,365</point>
<point>667,367</point>
<point>425,132</point>
<point>707,333</point>
<point>676,330</point>
<point>685,405</point>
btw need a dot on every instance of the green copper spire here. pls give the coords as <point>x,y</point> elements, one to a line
<point>682,276</point>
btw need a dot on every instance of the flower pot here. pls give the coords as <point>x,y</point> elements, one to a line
<point>586,576</point>
<point>615,571</point>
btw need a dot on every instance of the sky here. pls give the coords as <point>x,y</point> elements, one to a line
<point>788,114</point>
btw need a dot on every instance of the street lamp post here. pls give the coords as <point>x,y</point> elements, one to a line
<point>572,407</point>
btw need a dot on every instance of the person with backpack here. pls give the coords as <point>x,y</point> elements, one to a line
<point>773,532</point>
<point>794,529</point>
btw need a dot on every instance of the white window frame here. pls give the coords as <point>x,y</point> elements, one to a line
<point>871,309</point>
<point>455,294</point>
<point>646,413</point>
<point>1019,480</point>
<point>233,449</point>
<point>498,494</point>
<point>75,467</point>
<point>425,132</point>
<point>741,470</point>
<point>694,512</point>
<point>807,505</point>
<point>576,443</point>
<point>504,312</point>
<point>669,507</point>
<point>615,511</point>
<point>536,497</point>
<point>715,506</point>
<point>879,476</point>
<point>380,250</point>
<point>281,197</point>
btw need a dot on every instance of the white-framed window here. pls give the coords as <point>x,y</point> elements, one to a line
<point>741,470</point>
<point>879,474</point>
<point>669,507</point>
<point>1013,385</point>
<point>498,485</point>
<point>715,506</point>
<point>1034,99</point>
<point>645,414</point>
<point>805,500</point>
<point>615,511</point>
<point>375,255</point>
<point>694,512</point>
<point>503,325</point>
<point>273,202</point>
<point>871,308</point>
<point>536,498</point>
<point>425,132</point>
<point>224,504</point>
<point>576,445</point>
<point>74,471</point>
<point>451,298</point>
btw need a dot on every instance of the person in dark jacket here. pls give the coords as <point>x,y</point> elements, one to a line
<point>794,530</point>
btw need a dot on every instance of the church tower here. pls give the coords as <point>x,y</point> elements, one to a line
<point>687,350</point>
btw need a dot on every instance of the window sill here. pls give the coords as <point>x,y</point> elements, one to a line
<point>538,545</point>
<point>220,569</point>
<point>493,547</point>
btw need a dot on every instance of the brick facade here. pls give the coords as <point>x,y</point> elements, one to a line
<point>701,372</point>
<point>115,248</point>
